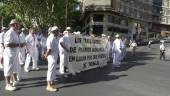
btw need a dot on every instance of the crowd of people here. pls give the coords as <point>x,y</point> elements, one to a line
<point>18,49</point>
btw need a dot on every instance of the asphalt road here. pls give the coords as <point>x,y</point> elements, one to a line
<point>142,75</point>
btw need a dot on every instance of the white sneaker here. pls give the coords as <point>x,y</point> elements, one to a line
<point>15,83</point>
<point>10,88</point>
<point>36,68</point>
<point>26,70</point>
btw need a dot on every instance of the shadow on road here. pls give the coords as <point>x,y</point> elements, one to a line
<point>134,61</point>
<point>91,76</point>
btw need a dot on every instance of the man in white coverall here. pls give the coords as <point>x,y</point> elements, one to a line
<point>117,50</point>
<point>52,56</point>
<point>22,49</point>
<point>3,30</point>
<point>64,47</point>
<point>10,55</point>
<point>32,50</point>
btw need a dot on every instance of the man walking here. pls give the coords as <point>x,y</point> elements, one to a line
<point>162,51</point>
<point>32,50</point>
<point>117,50</point>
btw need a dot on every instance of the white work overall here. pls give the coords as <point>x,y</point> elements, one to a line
<point>52,43</point>
<point>22,49</point>
<point>117,45</point>
<point>10,55</point>
<point>32,51</point>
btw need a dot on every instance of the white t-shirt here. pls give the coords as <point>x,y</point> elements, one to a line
<point>31,42</point>
<point>52,43</point>
<point>162,47</point>
<point>1,42</point>
<point>11,37</point>
<point>66,41</point>
<point>22,37</point>
<point>117,44</point>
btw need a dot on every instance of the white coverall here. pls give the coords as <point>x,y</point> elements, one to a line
<point>63,53</point>
<point>1,44</point>
<point>22,49</point>
<point>52,43</point>
<point>43,44</point>
<point>32,51</point>
<point>117,46</point>
<point>10,55</point>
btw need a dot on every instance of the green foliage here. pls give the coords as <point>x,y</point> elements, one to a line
<point>45,12</point>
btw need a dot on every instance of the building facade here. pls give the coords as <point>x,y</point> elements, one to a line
<point>129,17</point>
<point>161,18</point>
<point>138,19</point>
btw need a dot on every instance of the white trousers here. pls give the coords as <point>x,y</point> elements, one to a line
<point>34,56</point>
<point>117,57</point>
<point>10,62</point>
<point>22,56</point>
<point>51,73</point>
<point>63,61</point>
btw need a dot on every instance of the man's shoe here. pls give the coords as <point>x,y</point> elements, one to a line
<point>10,88</point>
<point>15,83</point>
<point>26,70</point>
<point>51,89</point>
<point>36,69</point>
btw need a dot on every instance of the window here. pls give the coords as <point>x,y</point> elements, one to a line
<point>97,29</point>
<point>98,17</point>
<point>110,19</point>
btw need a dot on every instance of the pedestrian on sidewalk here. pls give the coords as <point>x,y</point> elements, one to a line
<point>162,51</point>
<point>133,47</point>
<point>149,43</point>
<point>52,55</point>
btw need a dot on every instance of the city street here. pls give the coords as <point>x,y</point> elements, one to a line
<point>142,75</point>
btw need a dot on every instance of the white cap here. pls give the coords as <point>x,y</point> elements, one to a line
<point>103,35</point>
<point>68,28</point>
<point>23,29</point>
<point>65,32</point>
<point>117,35</point>
<point>54,28</point>
<point>13,21</point>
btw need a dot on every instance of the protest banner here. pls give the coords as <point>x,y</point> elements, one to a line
<point>86,53</point>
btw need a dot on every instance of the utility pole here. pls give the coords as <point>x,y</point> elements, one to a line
<point>66,13</point>
<point>2,21</point>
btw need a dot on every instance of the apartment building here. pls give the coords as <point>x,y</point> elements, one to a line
<point>129,17</point>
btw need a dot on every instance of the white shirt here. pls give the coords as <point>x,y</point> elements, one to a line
<point>11,37</point>
<point>43,41</point>
<point>162,47</point>
<point>52,43</point>
<point>31,42</point>
<point>1,42</point>
<point>117,44</point>
<point>22,37</point>
<point>66,41</point>
<point>133,44</point>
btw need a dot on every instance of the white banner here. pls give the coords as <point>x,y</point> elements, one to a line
<point>87,53</point>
